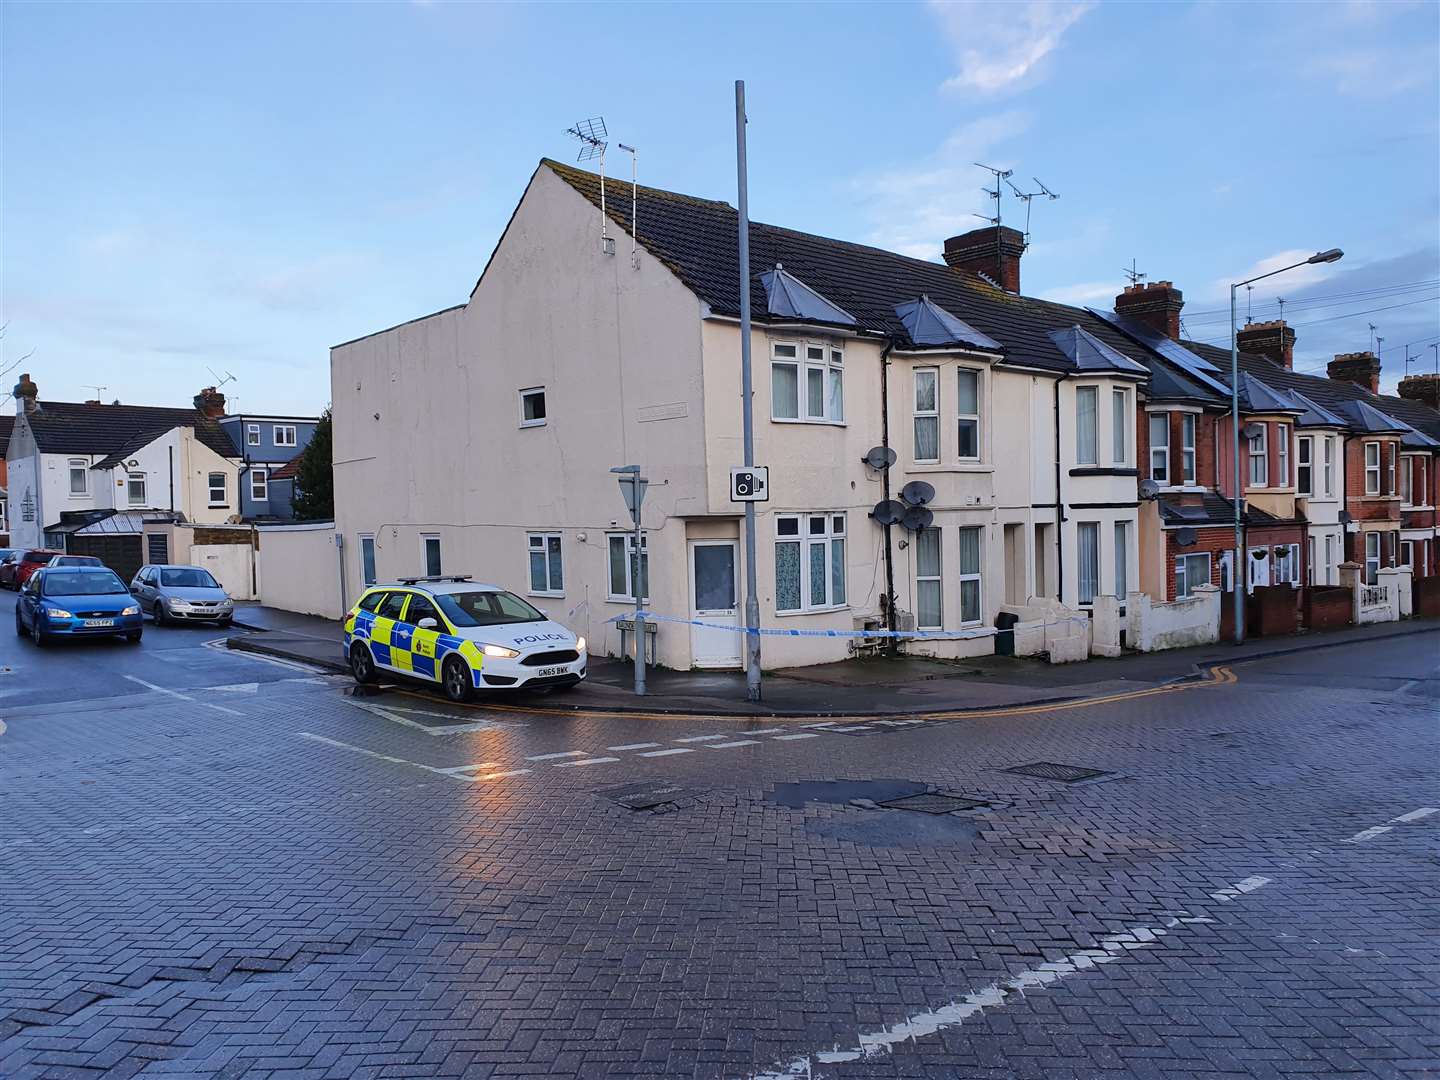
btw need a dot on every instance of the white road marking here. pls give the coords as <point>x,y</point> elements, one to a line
<point>1416,815</point>
<point>634,746</point>
<point>701,738</point>
<point>728,745</point>
<point>798,735</point>
<point>183,697</point>
<point>765,731</point>
<point>583,761</point>
<point>872,1044</point>
<point>1240,888</point>
<point>500,775</point>
<point>552,757</point>
<point>218,644</point>
<point>667,753</point>
<point>237,688</point>
<point>450,773</point>
<point>386,712</point>
<point>1368,834</point>
<point>472,768</point>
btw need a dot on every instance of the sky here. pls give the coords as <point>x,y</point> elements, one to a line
<point>198,188</point>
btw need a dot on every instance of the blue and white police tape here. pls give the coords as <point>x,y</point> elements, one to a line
<point>952,635</point>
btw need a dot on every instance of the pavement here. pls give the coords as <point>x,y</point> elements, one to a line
<point>903,686</point>
<point>234,870</point>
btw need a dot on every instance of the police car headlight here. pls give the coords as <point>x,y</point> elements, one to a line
<point>580,643</point>
<point>500,652</point>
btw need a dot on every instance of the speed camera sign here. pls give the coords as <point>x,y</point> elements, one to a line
<point>750,483</point>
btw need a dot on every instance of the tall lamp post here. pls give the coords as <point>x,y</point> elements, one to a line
<point>1239,569</point>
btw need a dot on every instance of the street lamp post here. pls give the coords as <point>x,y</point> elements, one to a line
<point>1239,569</point>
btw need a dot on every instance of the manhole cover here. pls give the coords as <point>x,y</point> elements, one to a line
<point>1048,770</point>
<point>646,796</point>
<point>934,802</point>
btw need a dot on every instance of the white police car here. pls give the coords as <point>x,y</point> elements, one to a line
<point>465,635</point>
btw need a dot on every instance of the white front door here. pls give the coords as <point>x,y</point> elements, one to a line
<point>714,598</point>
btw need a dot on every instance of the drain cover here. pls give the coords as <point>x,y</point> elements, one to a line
<point>645,796</point>
<point>1065,774</point>
<point>934,802</point>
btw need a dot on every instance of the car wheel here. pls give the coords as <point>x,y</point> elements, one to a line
<point>456,680</point>
<point>362,665</point>
<point>133,637</point>
<point>40,637</point>
<point>19,626</point>
<point>158,613</point>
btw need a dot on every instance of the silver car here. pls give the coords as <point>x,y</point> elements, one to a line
<point>181,594</point>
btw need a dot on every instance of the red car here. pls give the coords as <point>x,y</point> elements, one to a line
<point>15,572</point>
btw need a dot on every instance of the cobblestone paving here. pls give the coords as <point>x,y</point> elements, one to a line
<point>328,887</point>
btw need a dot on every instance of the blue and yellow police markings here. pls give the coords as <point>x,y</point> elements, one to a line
<point>402,647</point>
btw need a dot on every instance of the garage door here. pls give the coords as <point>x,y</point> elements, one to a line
<point>119,553</point>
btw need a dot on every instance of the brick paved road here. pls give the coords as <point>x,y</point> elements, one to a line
<point>275,880</point>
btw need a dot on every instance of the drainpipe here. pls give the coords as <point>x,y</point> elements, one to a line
<point>170,455</point>
<point>1059,506</point>
<point>892,644</point>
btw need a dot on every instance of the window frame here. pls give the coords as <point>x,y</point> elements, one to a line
<point>1259,459</point>
<point>1162,449</point>
<point>963,418</point>
<point>1282,454</point>
<point>82,466</point>
<point>1305,466</point>
<point>1372,576</point>
<point>290,431</point>
<point>1121,534</point>
<point>918,414</point>
<point>1390,468</point>
<point>1423,485</point>
<point>1328,465</point>
<point>1183,561</point>
<point>131,478</point>
<point>833,536</point>
<point>263,487</point>
<point>937,578</point>
<point>1119,426</point>
<point>224,489</point>
<point>1082,530</point>
<point>527,393</point>
<point>828,365</point>
<point>1189,472</point>
<point>977,575</point>
<point>425,539</point>
<point>1372,489</point>
<point>1406,555</point>
<point>368,575</point>
<point>252,434</point>
<point>1091,393</point>
<point>627,597</point>
<point>554,562</point>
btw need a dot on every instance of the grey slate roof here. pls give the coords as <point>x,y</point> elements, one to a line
<point>789,297</point>
<point>1089,353</point>
<point>1364,417</point>
<point>928,323</point>
<point>1258,397</point>
<point>65,427</point>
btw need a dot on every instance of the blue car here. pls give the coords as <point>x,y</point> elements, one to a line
<point>76,601</point>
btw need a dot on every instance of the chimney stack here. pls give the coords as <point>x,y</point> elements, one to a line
<point>1157,304</point>
<point>210,402</point>
<point>26,393</point>
<point>1422,388</point>
<point>1272,339</point>
<point>993,251</point>
<point>1360,368</point>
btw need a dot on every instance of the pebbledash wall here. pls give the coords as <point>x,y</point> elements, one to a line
<point>430,442</point>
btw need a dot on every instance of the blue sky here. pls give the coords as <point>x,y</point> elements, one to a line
<point>239,187</point>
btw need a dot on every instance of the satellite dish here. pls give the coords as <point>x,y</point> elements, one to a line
<point>916,518</point>
<point>1149,489</point>
<point>879,457</point>
<point>887,511</point>
<point>917,493</point>
<point>1254,431</point>
<point>1185,537</point>
<point>1344,517</point>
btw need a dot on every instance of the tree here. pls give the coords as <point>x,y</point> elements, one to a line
<point>314,479</point>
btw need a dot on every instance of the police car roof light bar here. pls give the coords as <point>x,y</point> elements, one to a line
<point>434,577</point>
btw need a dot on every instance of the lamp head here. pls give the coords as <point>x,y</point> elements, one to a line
<point>1332,255</point>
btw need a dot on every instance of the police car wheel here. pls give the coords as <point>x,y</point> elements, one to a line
<point>455,679</point>
<point>362,666</point>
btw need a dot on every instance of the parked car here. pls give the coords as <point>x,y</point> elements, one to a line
<point>461,634</point>
<point>13,574</point>
<point>76,601</point>
<point>75,560</point>
<point>8,555</point>
<point>181,594</point>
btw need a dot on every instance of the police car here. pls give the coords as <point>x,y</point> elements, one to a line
<point>465,635</point>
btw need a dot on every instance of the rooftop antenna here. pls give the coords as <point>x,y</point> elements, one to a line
<point>219,382</point>
<point>1378,342</point>
<point>999,174</point>
<point>1436,350</point>
<point>1249,311</point>
<point>1372,336</point>
<point>97,389</point>
<point>1132,272</point>
<point>1028,197</point>
<point>592,136</point>
<point>634,201</point>
<point>1281,301</point>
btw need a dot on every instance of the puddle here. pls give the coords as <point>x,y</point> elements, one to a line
<point>841,792</point>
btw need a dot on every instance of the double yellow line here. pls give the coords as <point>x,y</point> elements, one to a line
<point>1219,675</point>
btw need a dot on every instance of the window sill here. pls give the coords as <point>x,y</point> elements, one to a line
<point>807,423</point>
<point>812,611</point>
<point>627,600</point>
<point>1103,470</point>
<point>955,467</point>
<point>532,423</point>
<point>547,595</point>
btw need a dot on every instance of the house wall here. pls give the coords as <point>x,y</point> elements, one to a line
<point>298,569</point>
<point>266,457</point>
<point>447,454</point>
<point>176,468</point>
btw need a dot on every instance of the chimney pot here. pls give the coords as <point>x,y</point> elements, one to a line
<point>993,251</point>
<point>26,393</point>
<point>1422,388</point>
<point>1273,339</point>
<point>210,402</point>
<point>1157,304</point>
<point>1360,368</point>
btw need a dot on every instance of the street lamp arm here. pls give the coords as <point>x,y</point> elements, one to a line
<point>1328,256</point>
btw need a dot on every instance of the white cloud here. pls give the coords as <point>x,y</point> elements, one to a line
<point>1085,293</point>
<point>913,209</point>
<point>1001,47</point>
<point>1289,283</point>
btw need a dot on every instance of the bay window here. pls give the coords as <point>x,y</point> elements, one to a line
<point>1187,448</point>
<point>1120,426</point>
<point>1088,533</point>
<point>970,576</point>
<point>1304,466</point>
<point>927,414</point>
<point>809,562</point>
<point>967,406</point>
<point>1372,469</point>
<point>1259,458</point>
<point>1122,556</point>
<point>929,609</point>
<point>1282,453</point>
<point>1160,447</point>
<point>1390,471</point>
<point>1086,451</point>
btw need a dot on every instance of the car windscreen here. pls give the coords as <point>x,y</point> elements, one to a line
<point>486,608</point>
<point>84,583</point>
<point>188,577</point>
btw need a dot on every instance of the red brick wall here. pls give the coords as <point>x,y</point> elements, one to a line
<point>1425,592</point>
<point>1212,541</point>
<point>1326,607</point>
<point>1361,506</point>
<point>1273,611</point>
<point>1204,447</point>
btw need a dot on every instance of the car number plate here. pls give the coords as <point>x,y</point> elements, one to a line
<point>544,671</point>
<point>99,622</point>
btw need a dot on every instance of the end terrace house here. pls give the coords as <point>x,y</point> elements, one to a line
<point>479,439</point>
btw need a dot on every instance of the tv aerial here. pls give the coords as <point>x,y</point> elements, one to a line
<point>219,382</point>
<point>995,192</point>
<point>1028,197</point>
<point>593,138</point>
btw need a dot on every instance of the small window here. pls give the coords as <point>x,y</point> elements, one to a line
<point>1259,458</point>
<point>1187,448</point>
<point>1329,472</point>
<point>284,434</point>
<point>1372,469</point>
<point>1190,570</point>
<point>1390,468</point>
<point>259,485</point>
<point>135,488</point>
<point>1088,533</point>
<point>1122,558</point>
<point>970,575</point>
<point>367,559</point>
<point>1372,556</point>
<point>79,477</point>
<point>1160,447</point>
<point>157,547</point>
<point>927,414</point>
<point>532,407</point>
<point>784,383</point>
<point>252,434</point>
<point>371,601</point>
<point>216,484</point>
<point>1086,449</point>
<point>430,549</point>
<point>1407,554</point>
<point>621,550</point>
<point>929,592</point>
<point>967,405</point>
<point>1282,453</point>
<point>1304,465</point>
<point>547,576</point>
<point>1120,426</point>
